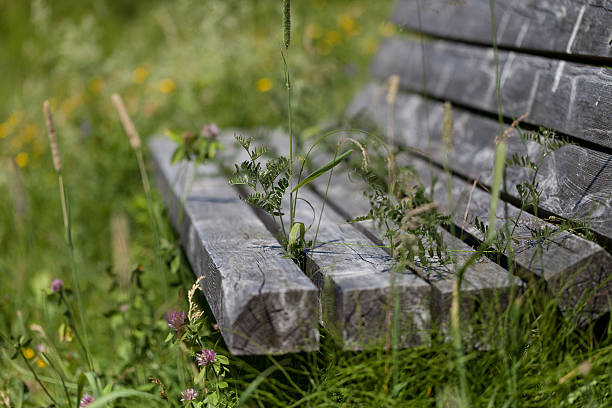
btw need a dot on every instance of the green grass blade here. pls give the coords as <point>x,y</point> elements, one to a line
<point>500,160</point>
<point>322,170</point>
<point>105,399</point>
<point>253,385</point>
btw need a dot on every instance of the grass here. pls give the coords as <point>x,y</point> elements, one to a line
<point>180,65</point>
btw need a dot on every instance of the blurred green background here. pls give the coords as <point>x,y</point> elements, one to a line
<point>178,65</point>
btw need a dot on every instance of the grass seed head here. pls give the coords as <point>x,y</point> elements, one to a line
<point>124,117</point>
<point>286,23</point>
<point>57,160</point>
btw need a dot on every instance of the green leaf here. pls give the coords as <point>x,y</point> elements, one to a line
<point>297,234</point>
<point>322,170</point>
<point>102,401</point>
<point>253,386</point>
<point>222,359</point>
<point>80,387</point>
<point>178,155</point>
<point>175,136</point>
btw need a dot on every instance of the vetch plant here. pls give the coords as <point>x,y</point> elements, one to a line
<point>270,184</point>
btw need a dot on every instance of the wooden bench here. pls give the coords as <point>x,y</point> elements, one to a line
<point>264,303</point>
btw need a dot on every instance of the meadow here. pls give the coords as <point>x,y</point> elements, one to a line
<point>180,65</point>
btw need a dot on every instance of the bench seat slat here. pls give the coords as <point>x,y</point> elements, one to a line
<point>571,98</point>
<point>484,280</point>
<point>576,181</point>
<point>263,302</point>
<point>354,275</point>
<point>566,254</point>
<point>577,271</point>
<point>484,283</point>
<point>568,27</point>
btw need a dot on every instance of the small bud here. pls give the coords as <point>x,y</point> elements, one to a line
<point>188,137</point>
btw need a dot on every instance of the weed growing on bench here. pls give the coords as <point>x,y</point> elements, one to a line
<point>278,175</point>
<point>408,219</point>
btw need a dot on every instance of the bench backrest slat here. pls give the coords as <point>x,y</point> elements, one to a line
<point>574,99</point>
<point>564,27</point>
<point>576,181</point>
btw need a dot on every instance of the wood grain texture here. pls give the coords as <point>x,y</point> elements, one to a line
<point>263,303</point>
<point>576,182</point>
<point>569,27</point>
<point>571,98</point>
<point>356,279</point>
<point>578,272</point>
<point>485,283</point>
<point>568,258</point>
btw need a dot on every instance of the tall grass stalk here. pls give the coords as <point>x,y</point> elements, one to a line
<point>285,55</point>
<point>57,163</point>
<point>134,138</point>
<point>447,136</point>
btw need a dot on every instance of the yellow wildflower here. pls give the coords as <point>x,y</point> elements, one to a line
<point>5,129</point>
<point>387,29</point>
<point>333,37</point>
<point>264,84</point>
<point>65,333</point>
<point>166,86</point>
<point>40,363</point>
<point>348,24</point>
<point>28,353</point>
<point>22,159</point>
<point>96,85</point>
<point>15,118</point>
<point>139,75</point>
<point>28,133</point>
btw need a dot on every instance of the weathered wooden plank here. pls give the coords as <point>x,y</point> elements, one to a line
<point>263,303</point>
<point>485,283</point>
<point>569,27</point>
<point>571,98</point>
<point>566,256</point>
<point>578,272</point>
<point>356,279</point>
<point>359,283</point>
<point>576,182</point>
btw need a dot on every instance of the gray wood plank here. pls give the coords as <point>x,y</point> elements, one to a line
<point>263,303</point>
<point>578,272</point>
<point>571,98</point>
<point>484,284</point>
<point>472,155</point>
<point>569,27</point>
<point>357,282</point>
<point>576,182</point>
